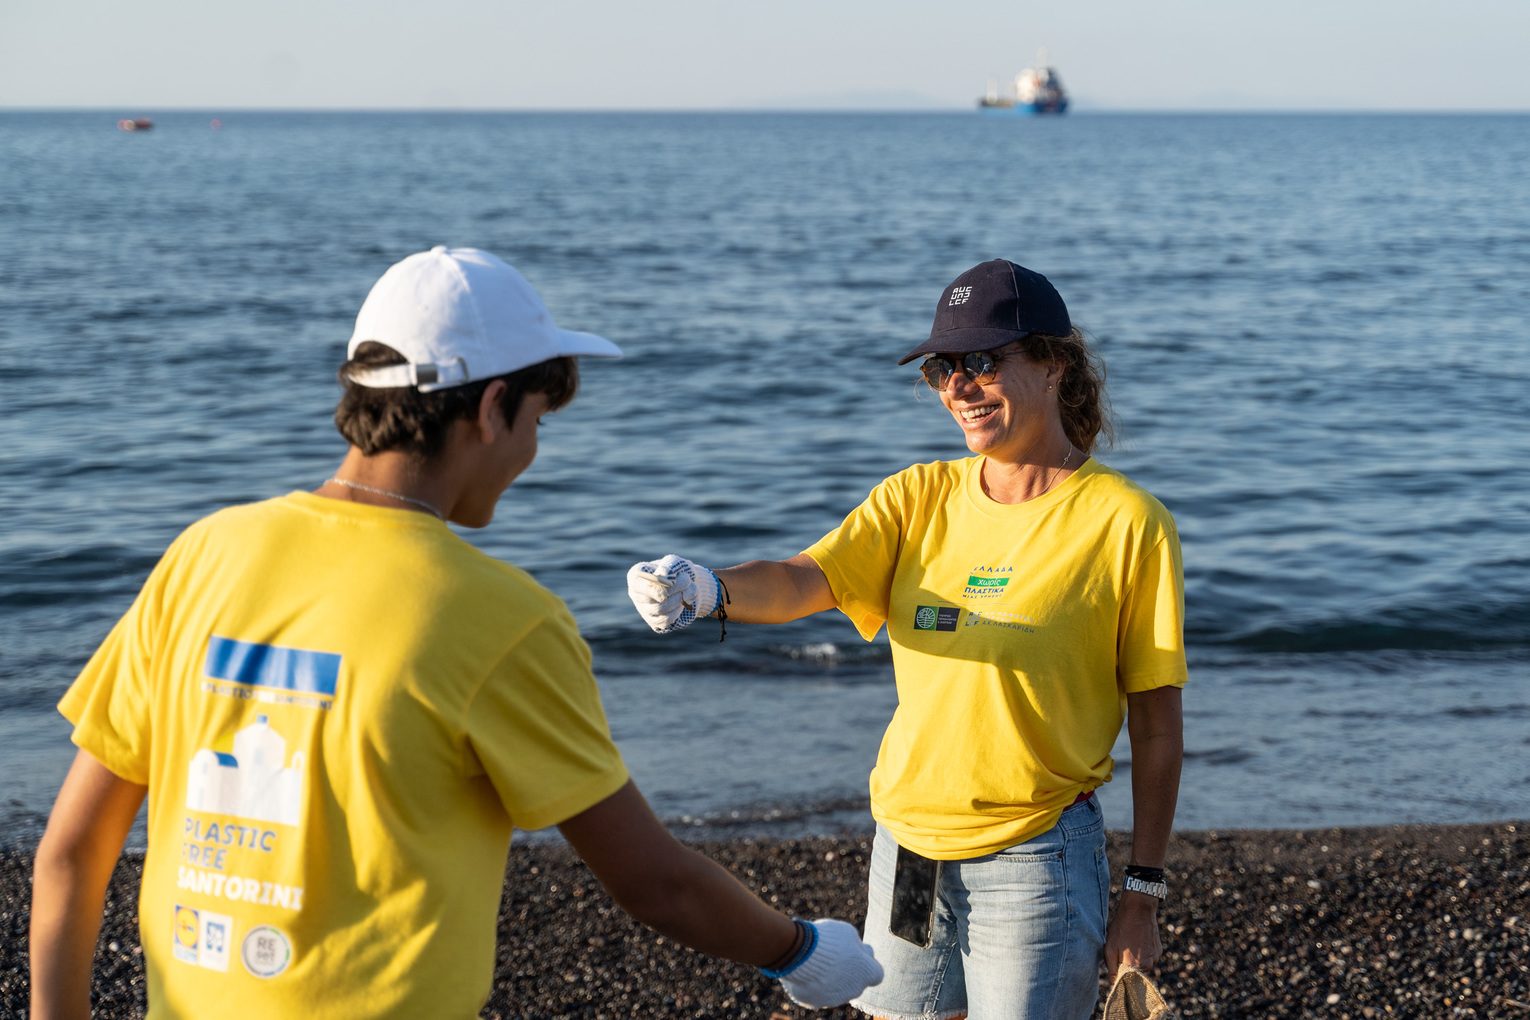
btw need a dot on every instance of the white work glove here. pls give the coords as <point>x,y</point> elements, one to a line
<point>673,592</point>
<point>839,968</point>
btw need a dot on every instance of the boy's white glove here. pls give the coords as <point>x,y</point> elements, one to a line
<point>673,592</point>
<point>838,968</point>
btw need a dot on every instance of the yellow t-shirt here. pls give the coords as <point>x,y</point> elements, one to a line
<point>340,712</point>
<point>1017,631</point>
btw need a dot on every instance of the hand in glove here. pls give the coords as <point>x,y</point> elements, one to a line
<point>673,592</point>
<point>834,966</point>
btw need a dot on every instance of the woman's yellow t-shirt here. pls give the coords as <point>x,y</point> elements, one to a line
<point>1017,631</point>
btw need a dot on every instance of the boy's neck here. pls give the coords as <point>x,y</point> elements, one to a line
<point>391,479</point>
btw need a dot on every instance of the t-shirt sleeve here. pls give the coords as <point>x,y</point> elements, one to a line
<point>859,558</point>
<point>1151,640</point>
<point>109,703</point>
<point>539,732</point>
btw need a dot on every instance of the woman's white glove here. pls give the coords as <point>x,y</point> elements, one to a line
<point>673,592</point>
<point>839,968</point>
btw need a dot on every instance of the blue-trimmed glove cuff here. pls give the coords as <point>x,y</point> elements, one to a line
<point>809,942</point>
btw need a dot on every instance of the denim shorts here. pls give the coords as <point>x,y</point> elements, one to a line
<point>1017,934</point>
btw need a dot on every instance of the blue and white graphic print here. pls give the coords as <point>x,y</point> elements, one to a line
<point>254,782</point>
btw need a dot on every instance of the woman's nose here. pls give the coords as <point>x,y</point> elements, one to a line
<point>959,383</point>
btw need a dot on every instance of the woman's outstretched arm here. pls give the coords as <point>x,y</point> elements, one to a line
<point>776,591</point>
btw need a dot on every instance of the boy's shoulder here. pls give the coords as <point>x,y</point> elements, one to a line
<point>411,542</point>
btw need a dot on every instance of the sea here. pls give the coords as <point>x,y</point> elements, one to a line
<point>1316,327</point>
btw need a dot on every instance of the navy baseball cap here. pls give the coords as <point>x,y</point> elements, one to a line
<point>990,305</point>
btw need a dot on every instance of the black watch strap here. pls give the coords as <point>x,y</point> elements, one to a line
<point>1140,878</point>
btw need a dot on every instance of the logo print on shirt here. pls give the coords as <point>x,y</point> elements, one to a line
<point>271,673</point>
<point>187,928</point>
<point>959,296</point>
<point>936,617</point>
<point>265,952</point>
<point>202,937</point>
<point>982,585</point>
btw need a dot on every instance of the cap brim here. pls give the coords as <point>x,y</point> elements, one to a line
<point>963,341</point>
<point>586,345</point>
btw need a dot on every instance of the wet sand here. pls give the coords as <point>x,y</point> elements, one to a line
<point>1409,921</point>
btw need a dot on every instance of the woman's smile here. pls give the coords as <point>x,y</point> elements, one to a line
<point>975,414</point>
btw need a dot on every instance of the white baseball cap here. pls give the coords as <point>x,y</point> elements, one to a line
<point>459,315</point>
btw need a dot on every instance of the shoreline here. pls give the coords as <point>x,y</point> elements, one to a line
<point>1394,921</point>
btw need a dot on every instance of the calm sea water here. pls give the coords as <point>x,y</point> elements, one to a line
<point>1315,328</point>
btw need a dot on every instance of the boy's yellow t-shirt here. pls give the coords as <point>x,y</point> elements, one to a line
<point>340,712</point>
<point>1017,631</point>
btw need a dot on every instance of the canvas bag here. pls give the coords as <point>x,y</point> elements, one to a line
<point>1133,997</point>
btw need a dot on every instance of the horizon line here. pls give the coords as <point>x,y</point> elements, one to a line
<point>1086,110</point>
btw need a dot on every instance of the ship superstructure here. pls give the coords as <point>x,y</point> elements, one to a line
<point>1036,90</point>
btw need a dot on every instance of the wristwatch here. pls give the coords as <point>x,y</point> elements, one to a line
<point>1136,884</point>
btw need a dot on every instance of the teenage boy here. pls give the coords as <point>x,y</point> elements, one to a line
<point>338,710</point>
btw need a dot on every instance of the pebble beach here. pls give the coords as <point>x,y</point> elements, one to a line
<point>1404,921</point>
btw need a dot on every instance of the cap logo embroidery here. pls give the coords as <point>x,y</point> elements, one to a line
<point>959,296</point>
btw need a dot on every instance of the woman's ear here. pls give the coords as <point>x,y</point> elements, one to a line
<point>491,421</point>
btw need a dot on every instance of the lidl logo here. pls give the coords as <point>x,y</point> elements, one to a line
<point>188,930</point>
<point>936,617</point>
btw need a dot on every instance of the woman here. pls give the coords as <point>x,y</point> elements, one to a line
<point>1034,601</point>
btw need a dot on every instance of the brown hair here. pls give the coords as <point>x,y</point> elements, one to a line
<point>1081,390</point>
<point>404,419</point>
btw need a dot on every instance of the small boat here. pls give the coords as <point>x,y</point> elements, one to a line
<point>135,124</point>
<point>1036,90</point>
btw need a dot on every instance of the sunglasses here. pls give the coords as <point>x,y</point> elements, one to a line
<point>979,366</point>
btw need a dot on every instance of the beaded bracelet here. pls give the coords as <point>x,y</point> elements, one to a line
<point>723,598</point>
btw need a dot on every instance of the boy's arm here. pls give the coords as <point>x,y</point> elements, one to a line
<point>683,894</point>
<point>79,849</point>
<point>672,888</point>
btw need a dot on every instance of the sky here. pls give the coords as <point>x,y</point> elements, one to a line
<point>145,55</point>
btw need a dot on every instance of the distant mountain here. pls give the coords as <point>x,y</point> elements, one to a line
<point>852,99</point>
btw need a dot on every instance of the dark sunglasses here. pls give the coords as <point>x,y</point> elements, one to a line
<point>979,366</point>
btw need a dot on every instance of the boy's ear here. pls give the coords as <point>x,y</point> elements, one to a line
<point>490,420</point>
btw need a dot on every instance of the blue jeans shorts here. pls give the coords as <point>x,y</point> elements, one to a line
<point>1017,934</point>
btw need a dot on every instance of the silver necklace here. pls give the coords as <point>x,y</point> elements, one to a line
<point>1051,481</point>
<point>1060,469</point>
<point>391,495</point>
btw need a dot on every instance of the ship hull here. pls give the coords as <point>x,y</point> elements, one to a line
<point>1024,109</point>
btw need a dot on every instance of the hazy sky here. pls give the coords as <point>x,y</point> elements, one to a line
<point>688,54</point>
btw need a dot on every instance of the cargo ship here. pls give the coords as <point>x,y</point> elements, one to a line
<point>1036,90</point>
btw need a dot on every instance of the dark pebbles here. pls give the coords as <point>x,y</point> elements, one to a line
<point>1412,921</point>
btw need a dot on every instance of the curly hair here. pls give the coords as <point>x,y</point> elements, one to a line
<point>1081,398</point>
<point>404,419</point>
